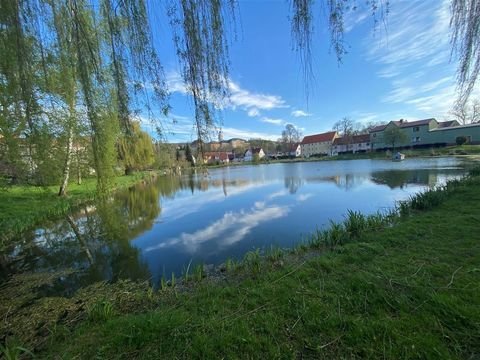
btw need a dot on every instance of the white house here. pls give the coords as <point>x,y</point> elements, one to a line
<point>250,154</point>
<point>295,150</point>
<point>318,144</point>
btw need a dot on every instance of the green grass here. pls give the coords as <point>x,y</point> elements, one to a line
<point>22,207</point>
<point>409,288</point>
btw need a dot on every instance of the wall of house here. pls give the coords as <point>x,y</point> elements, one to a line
<point>428,135</point>
<point>316,148</point>
<point>449,135</point>
<point>414,136</point>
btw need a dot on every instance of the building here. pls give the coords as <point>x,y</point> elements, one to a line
<point>318,145</point>
<point>447,135</point>
<point>294,150</point>
<point>251,154</point>
<point>424,133</point>
<point>351,144</point>
<point>219,157</point>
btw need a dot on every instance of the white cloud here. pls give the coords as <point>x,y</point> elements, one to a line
<point>299,113</point>
<point>278,122</point>
<point>249,101</point>
<point>253,112</point>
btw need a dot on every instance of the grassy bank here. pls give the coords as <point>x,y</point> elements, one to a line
<point>22,207</point>
<point>403,286</point>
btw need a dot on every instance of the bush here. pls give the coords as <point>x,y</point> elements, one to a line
<point>460,140</point>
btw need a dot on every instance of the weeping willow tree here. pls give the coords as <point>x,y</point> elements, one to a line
<point>136,149</point>
<point>70,63</point>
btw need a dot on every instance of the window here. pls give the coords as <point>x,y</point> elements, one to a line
<point>415,139</point>
<point>416,129</point>
<point>374,135</point>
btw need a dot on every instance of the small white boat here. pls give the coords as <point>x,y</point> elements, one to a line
<point>398,157</point>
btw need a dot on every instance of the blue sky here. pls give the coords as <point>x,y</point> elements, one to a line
<point>401,70</point>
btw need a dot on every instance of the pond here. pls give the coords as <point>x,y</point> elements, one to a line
<point>158,228</point>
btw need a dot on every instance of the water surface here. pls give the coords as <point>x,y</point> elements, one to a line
<point>154,229</point>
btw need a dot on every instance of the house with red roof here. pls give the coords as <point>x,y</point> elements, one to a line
<point>351,144</point>
<point>318,144</point>
<point>216,157</point>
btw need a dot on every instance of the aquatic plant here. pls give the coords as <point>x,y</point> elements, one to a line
<point>198,272</point>
<point>355,224</point>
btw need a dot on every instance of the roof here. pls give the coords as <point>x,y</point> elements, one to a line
<point>220,154</point>
<point>456,127</point>
<point>254,150</point>
<point>445,124</point>
<point>355,139</point>
<point>406,124</point>
<point>378,128</point>
<point>311,139</point>
<point>403,124</point>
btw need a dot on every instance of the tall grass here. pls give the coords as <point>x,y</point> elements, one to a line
<point>12,350</point>
<point>100,311</point>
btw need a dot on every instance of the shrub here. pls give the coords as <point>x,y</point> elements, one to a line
<point>460,140</point>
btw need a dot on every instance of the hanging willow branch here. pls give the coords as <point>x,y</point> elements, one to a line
<point>465,40</point>
<point>202,48</point>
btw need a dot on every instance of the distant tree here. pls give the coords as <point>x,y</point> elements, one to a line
<point>188,154</point>
<point>290,136</point>
<point>394,135</point>
<point>345,127</point>
<point>467,113</point>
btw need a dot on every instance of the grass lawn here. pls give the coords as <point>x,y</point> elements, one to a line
<point>411,290</point>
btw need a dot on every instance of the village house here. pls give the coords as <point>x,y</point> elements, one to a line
<point>351,144</point>
<point>295,150</point>
<point>219,157</point>
<point>424,133</point>
<point>250,154</point>
<point>318,144</point>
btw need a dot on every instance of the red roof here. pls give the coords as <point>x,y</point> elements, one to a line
<point>355,139</point>
<point>310,139</point>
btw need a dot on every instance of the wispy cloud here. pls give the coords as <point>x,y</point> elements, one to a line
<point>415,57</point>
<point>249,101</point>
<point>268,120</point>
<point>300,113</point>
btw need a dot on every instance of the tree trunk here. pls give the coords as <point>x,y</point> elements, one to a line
<point>79,170</point>
<point>68,159</point>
